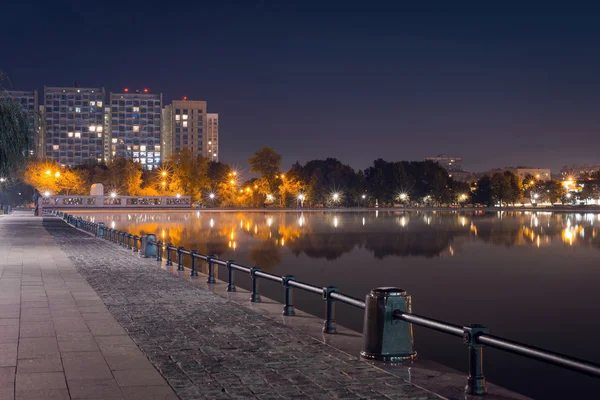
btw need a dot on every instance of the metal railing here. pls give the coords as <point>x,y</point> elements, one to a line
<point>474,336</point>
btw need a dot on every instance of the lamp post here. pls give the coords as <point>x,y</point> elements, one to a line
<point>301,198</point>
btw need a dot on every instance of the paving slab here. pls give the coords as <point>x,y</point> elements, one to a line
<point>48,349</point>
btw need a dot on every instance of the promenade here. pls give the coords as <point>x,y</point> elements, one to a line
<point>81,318</point>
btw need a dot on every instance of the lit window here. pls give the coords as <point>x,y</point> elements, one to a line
<point>136,109</point>
<point>209,142</point>
<point>150,154</point>
<point>78,134</point>
<point>70,134</point>
<point>143,160</point>
<point>136,160</point>
<point>99,104</point>
<point>184,116</point>
<point>136,153</point>
<point>185,124</point>
<point>114,152</point>
<point>142,148</point>
<point>92,128</point>
<point>92,103</point>
<point>156,148</point>
<point>99,160</point>
<point>114,140</point>
<point>98,129</point>
<point>136,128</point>
<point>177,117</point>
<point>128,148</point>
<point>136,147</point>
<point>77,109</point>
<point>210,151</point>
<point>214,154</point>
<point>55,147</point>
<point>142,153</point>
<point>99,134</point>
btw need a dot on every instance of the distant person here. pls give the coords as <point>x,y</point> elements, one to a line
<point>36,198</point>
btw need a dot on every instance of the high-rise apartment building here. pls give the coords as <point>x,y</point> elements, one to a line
<point>73,127</point>
<point>135,127</point>
<point>187,128</point>
<point>28,100</point>
<point>212,136</point>
<point>167,132</point>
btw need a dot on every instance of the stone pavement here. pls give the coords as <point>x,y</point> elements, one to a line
<point>205,346</point>
<point>57,339</point>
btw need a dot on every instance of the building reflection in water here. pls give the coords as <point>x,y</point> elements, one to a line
<point>266,236</point>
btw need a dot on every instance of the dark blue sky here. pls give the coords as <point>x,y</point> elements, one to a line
<point>498,83</point>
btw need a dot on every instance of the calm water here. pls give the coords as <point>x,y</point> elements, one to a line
<point>533,277</point>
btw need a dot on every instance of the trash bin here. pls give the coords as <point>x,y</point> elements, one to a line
<point>148,246</point>
<point>386,338</point>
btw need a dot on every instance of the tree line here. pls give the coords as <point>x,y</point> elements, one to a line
<point>317,183</point>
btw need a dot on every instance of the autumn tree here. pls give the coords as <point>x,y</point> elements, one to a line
<point>189,174</point>
<point>48,176</point>
<point>266,162</point>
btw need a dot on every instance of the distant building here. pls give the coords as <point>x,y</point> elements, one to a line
<point>135,127</point>
<point>212,136</point>
<point>187,126</point>
<point>575,171</point>
<point>460,176</point>
<point>167,132</point>
<point>542,174</point>
<point>447,162</point>
<point>73,128</point>
<point>28,100</point>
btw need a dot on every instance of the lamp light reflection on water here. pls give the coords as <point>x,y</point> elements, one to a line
<point>363,221</point>
<point>212,222</point>
<point>335,222</point>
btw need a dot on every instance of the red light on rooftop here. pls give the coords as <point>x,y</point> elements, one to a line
<point>145,90</point>
<point>126,90</point>
<point>184,98</point>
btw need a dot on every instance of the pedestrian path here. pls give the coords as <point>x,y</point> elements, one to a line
<point>57,338</point>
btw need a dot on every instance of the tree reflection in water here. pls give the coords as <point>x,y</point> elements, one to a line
<point>265,236</point>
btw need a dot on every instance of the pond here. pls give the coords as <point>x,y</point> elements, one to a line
<point>529,276</point>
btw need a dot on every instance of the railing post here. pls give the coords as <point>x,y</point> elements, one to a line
<point>129,240</point>
<point>211,275</point>
<point>255,296</point>
<point>476,384</point>
<point>329,325</point>
<point>180,258</point>
<point>288,308</point>
<point>194,271</point>
<point>125,239</point>
<point>135,240</point>
<point>230,284</point>
<point>159,250</point>
<point>168,250</point>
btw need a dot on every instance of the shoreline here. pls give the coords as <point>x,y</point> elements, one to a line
<point>582,209</point>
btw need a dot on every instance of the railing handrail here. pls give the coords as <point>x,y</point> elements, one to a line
<point>475,336</point>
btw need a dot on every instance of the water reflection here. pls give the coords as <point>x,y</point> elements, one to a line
<point>326,235</point>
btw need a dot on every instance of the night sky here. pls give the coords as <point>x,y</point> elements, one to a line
<point>499,84</point>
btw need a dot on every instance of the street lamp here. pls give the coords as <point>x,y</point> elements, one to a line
<point>113,194</point>
<point>48,172</point>
<point>178,195</point>
<point>211,196</point>
<point>403,196</point>
<point>164,173</point>
<point>2,179</point>
<point>57,174</point>
<point>336,197</point>
<point>46,193</point>
<point>301,198</point>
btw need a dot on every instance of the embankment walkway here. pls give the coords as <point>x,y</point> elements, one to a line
<point>81,318</point>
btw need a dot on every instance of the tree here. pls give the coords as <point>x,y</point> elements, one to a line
<point>48,176</point>
<point>501,189</point>
<point>189,174</point>
<point>516,187</point>
<point>483,193</point>
<point>556,191</point>
<point>266,162</point>
<point>15,137</point>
